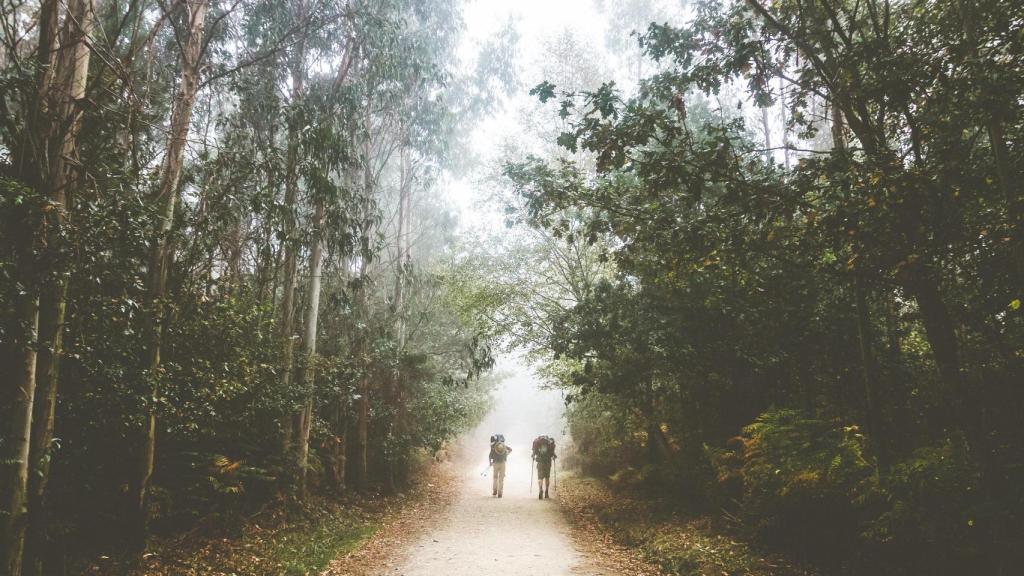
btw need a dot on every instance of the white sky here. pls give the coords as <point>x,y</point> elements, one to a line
<point>536,20</point>
<point>522,408</point>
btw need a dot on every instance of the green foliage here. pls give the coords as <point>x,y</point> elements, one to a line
<point>308,552</point>
<point>803,482</point>
<point>854,302</point>
<point>309,124</point>
<point>602,435</point>
<point>936,503</point>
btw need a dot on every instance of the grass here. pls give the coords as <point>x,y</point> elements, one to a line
<point>277,542</point>
<point>308,548</point>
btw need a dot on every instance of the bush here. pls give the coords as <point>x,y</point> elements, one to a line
<point>603,436</point>
<point>803,483</point>
<point>935,522</point>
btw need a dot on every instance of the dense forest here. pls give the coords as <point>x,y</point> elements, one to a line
<point>226,270</point>
<point>772,251</point>
<point>788,270</point>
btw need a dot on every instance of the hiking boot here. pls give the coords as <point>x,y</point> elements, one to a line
<point>545,493</point>
<point>499,494</point>
<point>540,495</point>
<point>494,493</point>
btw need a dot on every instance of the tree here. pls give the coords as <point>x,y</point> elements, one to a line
<point>768,288</point>
<point>54,117</point>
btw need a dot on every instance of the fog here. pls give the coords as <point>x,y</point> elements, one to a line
<point>522,410</point>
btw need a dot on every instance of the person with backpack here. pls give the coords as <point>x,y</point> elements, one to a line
<point>544,455</point>
<point>496,459</point>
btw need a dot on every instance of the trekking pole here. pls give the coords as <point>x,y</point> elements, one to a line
<point>531,475</point>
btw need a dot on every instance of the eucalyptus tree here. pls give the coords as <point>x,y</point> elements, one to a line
<point>40,138</point>
<point>228,168</point>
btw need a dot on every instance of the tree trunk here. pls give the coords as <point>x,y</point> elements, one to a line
<point>360,469</point>
<point>939,328</point>
<point>766,126</point>
<point>291,194</point>
<point>166,198</point>
<point>44,411</point>
<point>309,367</point>
<point>785,128</point>
<point>21,389</point>
<point>396,468</point>
<point>72,73</point>
<point>56,122</point>
<point>869,373</point>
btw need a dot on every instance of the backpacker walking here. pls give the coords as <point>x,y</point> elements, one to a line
<point>497,457</point>
<point>544,455</point>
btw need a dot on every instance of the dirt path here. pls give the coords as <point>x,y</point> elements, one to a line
<point>464,531</point>
<point>514,535</point>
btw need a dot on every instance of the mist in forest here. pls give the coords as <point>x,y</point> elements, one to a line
<point>263,255</point>
<point>522,408</point>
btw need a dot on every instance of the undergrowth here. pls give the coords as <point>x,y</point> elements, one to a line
<point>277,541</point>
<point>679,544</point>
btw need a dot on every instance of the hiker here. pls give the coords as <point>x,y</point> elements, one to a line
<point>499,453</point>
<point>544,454</point>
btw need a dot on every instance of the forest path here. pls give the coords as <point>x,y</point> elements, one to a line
<point>472,533</point>
<point>516,535</point>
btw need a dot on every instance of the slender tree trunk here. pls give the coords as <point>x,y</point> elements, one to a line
<point>869,373</point>
<point>396,465</point>
<point>44,411</point>
<point>361,468</point>
<point>868,364</point>
<point>785,128</point>
<point>655,450</point>
<point>237,248</point>
<point>290,204</point>
<point>161,251</point>
<point>56,121</point>
<point>360,471</point>
<point>21,390</point>
<point>766,126</point>
<point>309,367</point>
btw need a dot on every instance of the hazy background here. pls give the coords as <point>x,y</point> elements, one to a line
<point>523,410</point>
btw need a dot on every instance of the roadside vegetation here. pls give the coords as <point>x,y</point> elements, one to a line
<point>227,270</point>
<point>780,276</point>
<point>662,532</point>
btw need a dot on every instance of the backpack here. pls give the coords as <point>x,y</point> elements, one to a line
<point>499,452</point>
<point>495,438</point>
<point>544,447</point>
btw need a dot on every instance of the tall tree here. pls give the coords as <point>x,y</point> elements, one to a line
<point>165,200</point>
<point>63,58</point>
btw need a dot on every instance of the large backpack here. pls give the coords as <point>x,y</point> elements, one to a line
<point>495,438</point>
<point>499,451</point>
<point>544,447</point>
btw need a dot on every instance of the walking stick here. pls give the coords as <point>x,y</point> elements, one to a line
<point>531,475</point>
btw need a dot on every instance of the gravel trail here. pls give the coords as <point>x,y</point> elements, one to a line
<point>511,536</point>
<point>463,531</point>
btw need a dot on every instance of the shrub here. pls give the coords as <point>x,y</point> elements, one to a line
<point>935,522</point>
<point>803,482</point>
